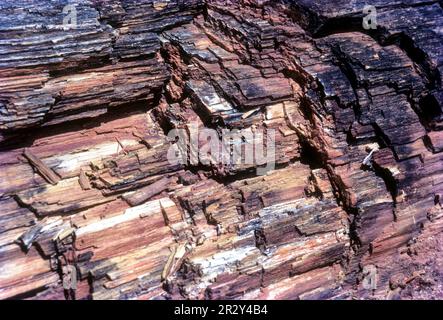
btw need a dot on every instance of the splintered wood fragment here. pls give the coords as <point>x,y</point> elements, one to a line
<point>63,234</point>
<point>122,146</point>
<point>27,238</point>
<point>171,214</point>
<point>168,264</point>
<point>160,5</point>
<point>84,181</point>
<point>147,192</point>
<point>367,161</point>
<point>250,113</point>
<point>42,168</point>
<point>178,254</point>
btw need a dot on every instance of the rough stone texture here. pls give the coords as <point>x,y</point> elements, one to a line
<point>356,194</point>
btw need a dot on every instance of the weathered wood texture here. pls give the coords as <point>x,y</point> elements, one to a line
<point>356,195</point>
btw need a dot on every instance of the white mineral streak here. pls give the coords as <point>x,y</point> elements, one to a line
<point>74,160</point>
<point>137,212</point>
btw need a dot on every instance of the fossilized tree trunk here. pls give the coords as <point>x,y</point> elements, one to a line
<point>353,208</point>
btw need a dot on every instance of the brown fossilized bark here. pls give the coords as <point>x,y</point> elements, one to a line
<point>352,209</point>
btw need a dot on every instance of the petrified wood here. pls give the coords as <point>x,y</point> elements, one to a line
<point>351,210</point>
